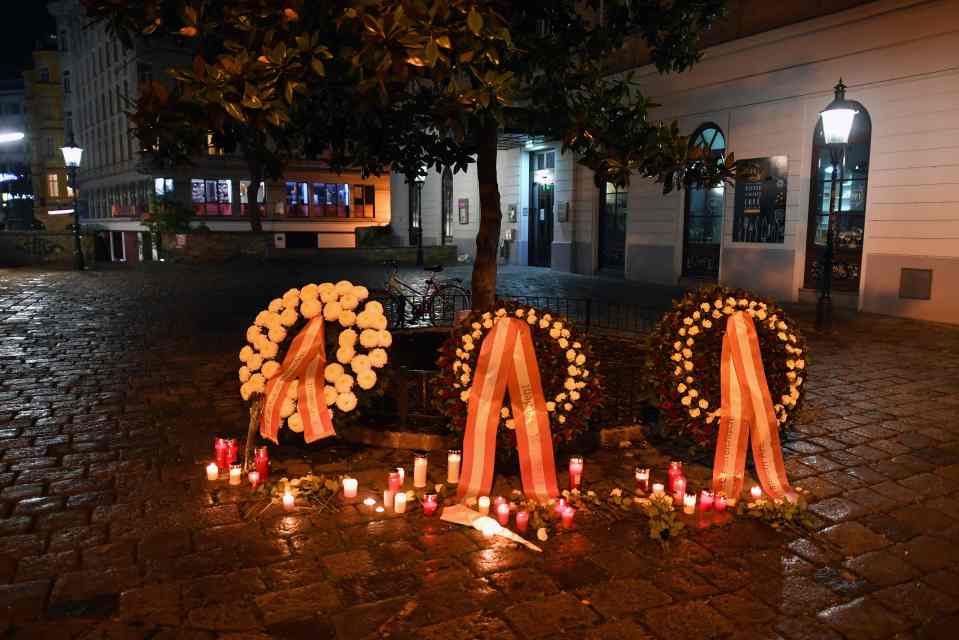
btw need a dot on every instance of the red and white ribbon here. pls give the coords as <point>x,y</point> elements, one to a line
<point>305,361</point>
<point>747,408</point>
<point>507,359</point>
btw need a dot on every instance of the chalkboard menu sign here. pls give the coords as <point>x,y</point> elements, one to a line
<point>759,214</point>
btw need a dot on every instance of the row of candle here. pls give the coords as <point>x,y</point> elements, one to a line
<point>225,454</point>
<point>502,511</point>
<point>677,488</point>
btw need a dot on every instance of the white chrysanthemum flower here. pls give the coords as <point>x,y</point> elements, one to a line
<point>347,318</point>
<point>378,358</point>
<point>361,362</point>
<point>262,319</point>
<point>329,394</point>
<point>384,338</point>
<point>244,374</point>
<point>543,323</point>
<point>329,296</point>
<point>686,401</point>
<point>563,343</point>
<point>295,423</point>
<point>276,305</point>
<point>676,357</point>
<point>349,301</point>
<point>293,389</point>
<point>331,311</point>
<point>346,402</point>
<point>344,383</point>
<point>309,292</point>
<point>245,353</point>
<point>343,287</point>
<point>703,403</point>
<point>311,308</point>
<point>574,395</point>
<point>465,395</point>
<point>345,355</point>
<point>270,369</point>
<point>288,318</point>
<point>465,379</point>
<point>253,334</point>
<point>361,292</point>
<point>696,315</point>
<point>364,319</point>
<point>761,314</point>
<point>707,324</point>
<point>580,359</point>
<point>268,349</point>
<point>333,372</point>
<point>369,338</point>
<point>551,406</point>
<point>255,362</point>
<point>510,424</point>
<point>246,390</point>
<point>287,407</point>
<point>347,338</point>
<point>568,407</point>
<point>694,330</point>
<point>800,364</point>
<point>570,384</point>
<point>570,356</point>
<point>688,365</point>
<point>681,387</point>
<point>572,370</point>
<point>277,334</point>
<point>531,319</point>
<point>695,412</point>
<point>561,419</point>
<point>325,287</point>
<point>554,334</point>
<point>291,299</point>
<point>366,379</point>
<point>379,323</point>
<point>257,382</point>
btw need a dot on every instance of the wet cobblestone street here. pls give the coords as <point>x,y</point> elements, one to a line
<point>113,382</point>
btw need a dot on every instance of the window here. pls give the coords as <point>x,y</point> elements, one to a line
<point>245,196</point>
<point>364,197</point>
<point>66,82</point>
<point>53,185</point>
<point>212,197</point>
<point>330,200</point>
<point>546,160</point>
<point>211,148</point>
<point>162,186</point>
<point>703,220</point>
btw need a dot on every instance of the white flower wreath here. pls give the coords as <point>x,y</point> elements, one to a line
<point>354,363</point>
<point>702,320</point>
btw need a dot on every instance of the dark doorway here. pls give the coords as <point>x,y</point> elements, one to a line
<point>542,177</point>
<point>612,228</point>
<point>703,219</point>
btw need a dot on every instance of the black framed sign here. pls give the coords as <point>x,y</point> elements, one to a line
<point>759,211</point>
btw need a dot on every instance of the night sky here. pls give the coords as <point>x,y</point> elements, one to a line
<point>25,22</point>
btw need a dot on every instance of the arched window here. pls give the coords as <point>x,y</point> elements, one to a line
<point>447,206</point>
<point>852,171</point>
<point>703,217</point>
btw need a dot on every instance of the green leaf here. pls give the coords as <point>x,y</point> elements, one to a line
<point>234,110</point>
<point>474,21</point>
<point>318,68</point>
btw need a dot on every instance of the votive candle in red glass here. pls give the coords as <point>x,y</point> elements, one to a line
<point>568,514</point>
<point>262,460</point>
<point>220,453</point>
<point>395,482</point>
<point>719,503</point>
<point>705,500</point>
<point>679,489</point>
<point>232,450</point>
<point>522,521</point>
<point>575,472</point>
<point>560,505</point>
<point>642,479</point>
<point>502,513</point>
<point>429,504</point>
<point>498,500</point>
<point>675,471</point>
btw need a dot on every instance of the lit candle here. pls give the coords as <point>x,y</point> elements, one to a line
<point>402,473</point>
<point>575,472</point>
<point>484,505</point>
<point>756,492</point>
<point>262,461</point>
<point>380,509</point>
<point>420,463</point>
<point>522,521</point>
<point>689,503</point>
<point>705,500</point>
<point>453,461</point>
<point>679,489</point>
<point>212,471</point>
<point>369,502</point>
<point>399,503</point>
<point>658,489</point>
<point>220,451</point>
<point>502,513</point>
<point>350,486</point>
<point>429,504</point>
<point>568,514</point>
<point>719,503</point>
<point>236,474</point>
<point>642,479</point>
<point>288,501</point>
<point>388,499</point>
<point>675,471</point>
<point>560,505</point>
<point>395,481</point>
<point>498,501</point>
<point>254,478</point>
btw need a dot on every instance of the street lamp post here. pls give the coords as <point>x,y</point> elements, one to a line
<point>72,155</point>
<point>418,186</point>
<point>837,119</point>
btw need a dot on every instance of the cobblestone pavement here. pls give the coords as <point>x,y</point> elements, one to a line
<point>113,382</point>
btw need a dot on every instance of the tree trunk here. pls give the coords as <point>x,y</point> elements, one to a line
<point>487,239</point>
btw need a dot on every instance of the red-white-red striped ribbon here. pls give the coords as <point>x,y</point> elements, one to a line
<point>747,408</point>
<point>508,360</point>
<point>305,361</point>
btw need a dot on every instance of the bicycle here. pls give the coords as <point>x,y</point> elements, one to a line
<point>439,300</point>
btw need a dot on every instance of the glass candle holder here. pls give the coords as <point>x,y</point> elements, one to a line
<point>394,482</point>
<point>705,500</point>
<point>502,513</point>
<point>236,474</point>
<point>420,465</point>
<point>453,460</point>
<point>567,516</point>
<point>689,503</point>
<point>658,489</point>
<point>719,503</point>
<point>642,479</point>
<point>430,504</point>
<point>262,461</point>
<point>522,521</point>
<point>350,486</point>
<point>675,471</point>
<point>483,504</point>
<point>212,471</point>
<point>575,472</point>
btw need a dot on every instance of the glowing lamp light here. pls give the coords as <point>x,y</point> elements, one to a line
<point>72,154</point>
<point>838,116</point>
<point>11,136</point>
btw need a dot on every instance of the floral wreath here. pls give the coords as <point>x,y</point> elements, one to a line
<point>685,354</point>
<point>566,365</point>
<point>284,317</point>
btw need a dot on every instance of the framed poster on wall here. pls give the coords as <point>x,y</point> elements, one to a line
<point>759,210</point>
<point>463,207</point>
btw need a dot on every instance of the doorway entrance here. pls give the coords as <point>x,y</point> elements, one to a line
<point>612,228</point>
<point>542,178</point>
<point>703,216</point>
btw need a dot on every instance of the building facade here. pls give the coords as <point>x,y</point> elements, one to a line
<point>45,87</point>
<point>758,93</point>
<point>16,191</point>
<point>310,207</point>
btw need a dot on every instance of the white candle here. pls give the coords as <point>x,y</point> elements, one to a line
<point>349,487</point>
<point>388,499</point>
<point>756,492</point>
<point>369,502</point>
<point>453,466</point>
<point>658,489</point>
<point>212,471</point>
<point>254,477</point>
<point>420,464</point>
<point>402,472</point>
<point>288,501</point>
<point>484,505</point>
<point>236,474</point>
<point>399,503</point>
<point>689,503</point>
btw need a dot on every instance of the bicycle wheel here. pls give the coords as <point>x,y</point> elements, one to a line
<point>445,302</point>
